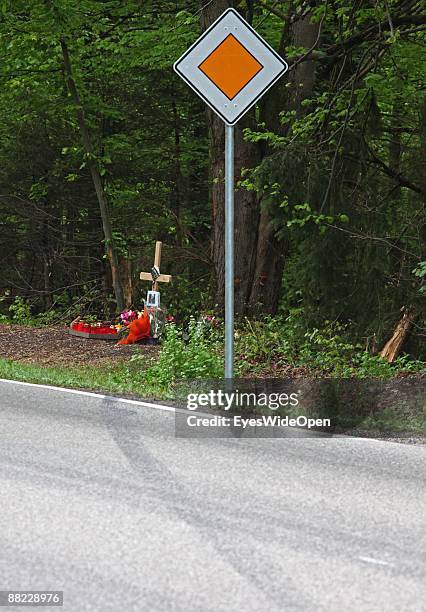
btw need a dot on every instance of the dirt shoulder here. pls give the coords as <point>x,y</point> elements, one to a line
<point>54,346</point>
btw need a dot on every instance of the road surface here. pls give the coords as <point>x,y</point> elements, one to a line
<point>100,500</point>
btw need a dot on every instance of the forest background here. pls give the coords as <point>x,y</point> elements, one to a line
<point>103,151</point>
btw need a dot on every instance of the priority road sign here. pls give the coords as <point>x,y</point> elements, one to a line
<point>230,66</point>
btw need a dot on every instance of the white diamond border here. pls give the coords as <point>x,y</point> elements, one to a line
<point>230,22</point>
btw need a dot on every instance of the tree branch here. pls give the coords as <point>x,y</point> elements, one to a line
<point>362,36</point>
<point>396,176</point>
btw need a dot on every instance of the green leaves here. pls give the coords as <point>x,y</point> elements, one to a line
<point>191,355</point>
<point>38,191</point>
<point>420,270</point>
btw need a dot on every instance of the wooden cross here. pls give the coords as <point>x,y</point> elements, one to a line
<point>155,276</point>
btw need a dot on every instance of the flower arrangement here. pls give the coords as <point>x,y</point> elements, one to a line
<point>210,320</point>
<point>127,316</point>
<point>119,327</point>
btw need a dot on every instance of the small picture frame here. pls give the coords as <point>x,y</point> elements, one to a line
<point>153,299</point>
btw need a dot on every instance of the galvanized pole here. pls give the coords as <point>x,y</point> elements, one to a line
<point>229,251</point>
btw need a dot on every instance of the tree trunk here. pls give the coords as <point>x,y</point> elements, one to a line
<point>393,347</point>
<point>126,275</point>
<point>259,255</point>
<point>247,155</point>
<point>176,195</point>
<point>96,178</point>
<point>270,260</point>
<point>271,252</point>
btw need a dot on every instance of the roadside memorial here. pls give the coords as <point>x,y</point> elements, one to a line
<point>98,330</point>
<point>155,276</point>
<point>143,327</point>
<point>139,329</point>
<point>157,313</point>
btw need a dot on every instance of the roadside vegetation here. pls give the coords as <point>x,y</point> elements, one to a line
<point>270,348</point>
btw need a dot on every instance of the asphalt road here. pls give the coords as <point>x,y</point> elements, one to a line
<point>100,500</point>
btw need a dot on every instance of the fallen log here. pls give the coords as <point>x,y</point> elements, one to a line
<point>393,346</point>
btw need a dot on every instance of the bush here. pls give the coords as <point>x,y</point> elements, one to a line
<point>269,340</point>
<point>193,355</point>
<point>325,351</point>
<point>20,312</point>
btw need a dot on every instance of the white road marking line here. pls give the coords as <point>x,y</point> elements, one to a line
<point>166,408</point>
<point>113,398</point>
<point>375,561</point>
<point>90,394</point>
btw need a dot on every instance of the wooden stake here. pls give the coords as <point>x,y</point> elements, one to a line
<point>163,278</point>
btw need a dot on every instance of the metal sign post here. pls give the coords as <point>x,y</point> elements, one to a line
<point>230,67</point>
<point>229,251</point>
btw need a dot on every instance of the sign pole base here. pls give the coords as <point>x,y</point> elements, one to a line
<point>229,251</point>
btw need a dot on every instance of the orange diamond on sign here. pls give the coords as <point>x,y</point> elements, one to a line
<point>230,67</point>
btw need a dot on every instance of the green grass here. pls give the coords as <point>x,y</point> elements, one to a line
<point>124,379</point>
<point>128,379</point>
<point>392,420</point>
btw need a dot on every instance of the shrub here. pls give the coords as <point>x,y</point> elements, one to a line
<point>325,351</point>
<point>195,355</point>
<point>20,312</point>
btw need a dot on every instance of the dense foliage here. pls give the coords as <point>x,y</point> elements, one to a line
<point>276,346</point>
<point>103,150</point>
